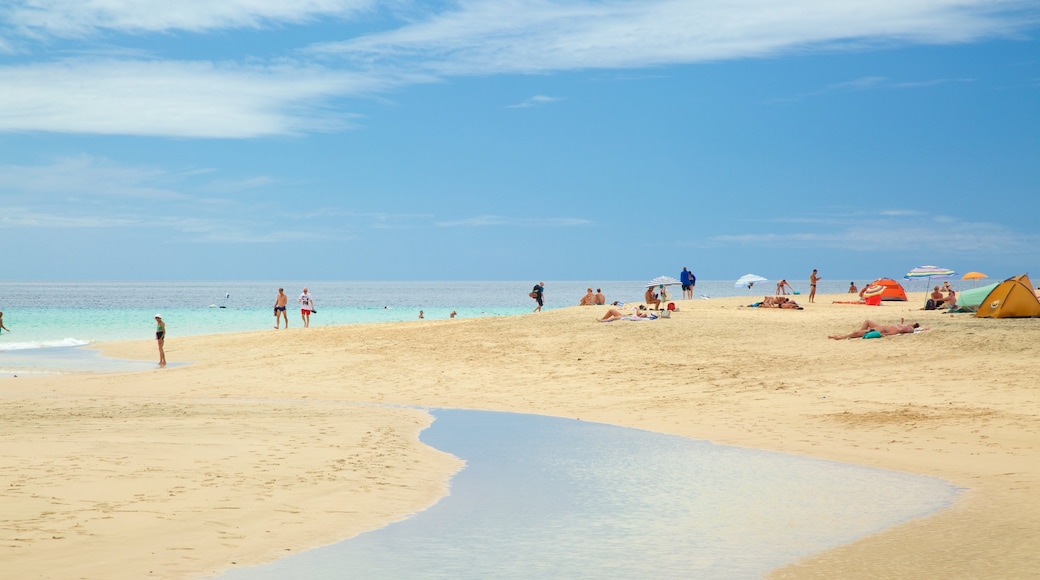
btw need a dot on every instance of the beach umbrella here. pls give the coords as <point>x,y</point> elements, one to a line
<point>974,277</point>
<point>663,281</point>
<point>928,273</point>
<point>873,290</point>
<point>749,280</point>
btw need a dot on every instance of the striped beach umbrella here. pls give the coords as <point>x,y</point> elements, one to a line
<point>928,273</point>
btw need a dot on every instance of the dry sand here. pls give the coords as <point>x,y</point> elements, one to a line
<point>269,442</point>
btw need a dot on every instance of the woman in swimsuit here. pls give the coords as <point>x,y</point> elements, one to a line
<point>160,337</point>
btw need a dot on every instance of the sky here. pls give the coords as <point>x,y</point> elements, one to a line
<point>517,139</point>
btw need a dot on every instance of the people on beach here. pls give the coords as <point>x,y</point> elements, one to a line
<point>160,337</point>
<point>453,314</point>
<point>688,281</point>
<point>538,293</point>
<point>852,288</point>
<point>651,299</point>
<point>588,299</point>
<point>813,279</point>
<point>279,308</point>
<point>950,300</point>
<point>2,327</point>
<point>420,315</point>
<point>884,329</point>
<point>306,307</point>
<point>662,292</point>
<point>783,286</point>
<point>936,296</point>
<point>600,298</point>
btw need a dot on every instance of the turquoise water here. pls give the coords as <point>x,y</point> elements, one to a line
<point>48,315</point>
<point>543,497</point>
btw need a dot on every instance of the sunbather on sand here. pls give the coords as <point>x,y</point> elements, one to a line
<point>614,314</point>
<point>884,329</point>
<point>779,302</point>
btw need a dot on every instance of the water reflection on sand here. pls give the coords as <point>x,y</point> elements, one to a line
<point>545,497</point>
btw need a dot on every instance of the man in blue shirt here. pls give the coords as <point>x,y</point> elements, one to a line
<point>688,281</point>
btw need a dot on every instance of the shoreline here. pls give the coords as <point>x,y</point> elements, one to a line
<point>765,379</point>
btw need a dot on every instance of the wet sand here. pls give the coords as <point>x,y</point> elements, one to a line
<point>269,443</point>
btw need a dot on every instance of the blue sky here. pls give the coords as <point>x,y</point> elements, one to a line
<point>517,139</point>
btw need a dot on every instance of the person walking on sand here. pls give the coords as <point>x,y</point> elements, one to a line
<point>538,293</point>
<point>813,279</point>
<point>160,337</point>
<point>279,308</point>
<point>2,327</point>
<point>306,307</point>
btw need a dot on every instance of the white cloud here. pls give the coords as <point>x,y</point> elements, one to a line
<point>535,101</point>
<point>81,17</point>
<point>181,99</point>
<point>131,95</point>
<point>529,36</point>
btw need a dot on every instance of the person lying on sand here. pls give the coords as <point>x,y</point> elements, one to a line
<point>614,314</point>
<point>884,329</point>
<point>778,302</point>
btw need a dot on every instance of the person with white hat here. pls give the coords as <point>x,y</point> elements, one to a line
<point>160,336</point>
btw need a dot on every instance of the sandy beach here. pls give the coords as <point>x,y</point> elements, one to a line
<point>252,451</point>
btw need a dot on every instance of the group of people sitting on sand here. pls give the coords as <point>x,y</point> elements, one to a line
<point>655,299</point>
<point>943,301</point>
<point>590,299</point>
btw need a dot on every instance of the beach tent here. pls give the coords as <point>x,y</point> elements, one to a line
<point>974,297</point>
<point>893,290</point>
<point>1012,298</point>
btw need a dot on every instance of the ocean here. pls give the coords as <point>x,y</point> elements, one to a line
<point>57,315</point>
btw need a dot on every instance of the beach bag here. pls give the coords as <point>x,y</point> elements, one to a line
<point>929,304</point>
<point>671,306</point>
<point>872,334</point>
<point>533,295</point>
<point>666,314</point>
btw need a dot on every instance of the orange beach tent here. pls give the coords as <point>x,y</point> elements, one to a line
<point>1012,298</point>
<point>893,290</point>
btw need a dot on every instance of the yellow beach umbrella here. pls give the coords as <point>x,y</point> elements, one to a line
<point>974,277</point>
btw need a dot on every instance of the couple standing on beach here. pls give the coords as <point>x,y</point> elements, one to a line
<point>306,308</point>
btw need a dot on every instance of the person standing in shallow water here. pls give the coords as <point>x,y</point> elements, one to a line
<point>306,307</point>
<point>813,279</point>
<point>160,337</point>
<point>279,308</point>
<point>2,327</point>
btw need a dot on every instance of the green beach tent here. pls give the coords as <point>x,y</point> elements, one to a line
<point>974,297</point>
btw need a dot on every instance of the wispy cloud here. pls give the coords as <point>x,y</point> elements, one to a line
<point>892,230</point>
<point>182,99</point>
<point>535,101</point>
<point>503,221</point>
<point>493,37</point>
<point>301,90</point>
<point>82,17</point>
<point>868,83</point>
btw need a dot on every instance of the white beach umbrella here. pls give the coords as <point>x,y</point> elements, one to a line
<point>749,280</point>
<point>663,281</point>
